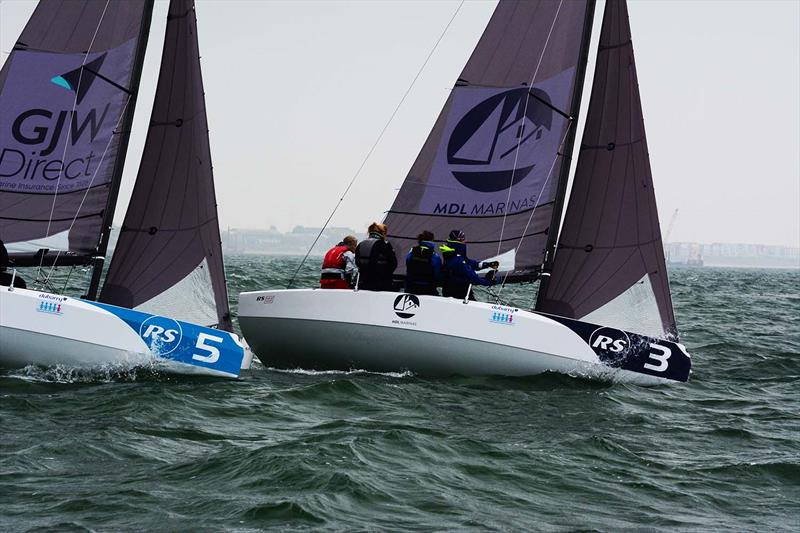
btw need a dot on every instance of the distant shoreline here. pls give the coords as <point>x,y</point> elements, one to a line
<point>671,266</point>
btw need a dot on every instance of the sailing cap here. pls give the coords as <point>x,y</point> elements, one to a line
<point>457,235</point>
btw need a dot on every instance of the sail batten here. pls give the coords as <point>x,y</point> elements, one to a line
<point>610,242</point>
<point>491,165</point>
<point>169,245</point>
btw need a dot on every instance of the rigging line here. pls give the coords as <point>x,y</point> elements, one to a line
<point>69,129</point>
<point>546,181</point>
<point>519,137</point>
<point>380,136</point>
<point>91,181</point>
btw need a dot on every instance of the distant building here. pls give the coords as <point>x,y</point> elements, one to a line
<point>732,254</point>
<point>236,241</point>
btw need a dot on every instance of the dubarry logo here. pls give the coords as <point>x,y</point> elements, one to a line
<point>80,79</point>
<point>161,334</point>
<point>482,148</point>
<point>406,305</point>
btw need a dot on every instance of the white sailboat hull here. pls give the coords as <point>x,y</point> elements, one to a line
<point>433,336</point>
<point>45,329</point>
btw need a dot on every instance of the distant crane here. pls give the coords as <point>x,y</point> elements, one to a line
<point>671,225</point>
<point>667,235</point>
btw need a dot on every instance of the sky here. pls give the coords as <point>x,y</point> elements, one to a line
<point>298,92</point>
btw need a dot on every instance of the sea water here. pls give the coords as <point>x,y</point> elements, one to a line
<point>136,449</point>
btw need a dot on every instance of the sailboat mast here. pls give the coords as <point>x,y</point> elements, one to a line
<point>569,143</point>
<point>125,132</point>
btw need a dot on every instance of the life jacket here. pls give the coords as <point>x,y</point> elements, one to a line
<point>334,262</point>
<point>371,254</point>
<point>419,266</point>
<point>453,256</point>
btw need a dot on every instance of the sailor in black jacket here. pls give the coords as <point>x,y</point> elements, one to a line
<point>375,260</point>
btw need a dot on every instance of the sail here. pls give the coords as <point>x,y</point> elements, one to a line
<point>65,92</point>
<point>170,236</point>
<point>491,166</point>
<point>610,260</point>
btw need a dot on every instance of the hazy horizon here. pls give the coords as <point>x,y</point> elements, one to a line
<point>297,92</point>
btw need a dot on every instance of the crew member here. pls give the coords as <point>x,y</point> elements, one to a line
<point>423,266</point>
<point>339,265</point>
<point>459,270</point>
<point>5,277</point>
<point>375,260</point>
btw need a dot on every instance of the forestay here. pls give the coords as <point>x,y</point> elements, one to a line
<point>65,92</point>
<point>170,236</point>
<point>610,261</point>
<point>491,166</point>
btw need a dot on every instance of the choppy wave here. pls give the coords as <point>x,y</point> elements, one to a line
<point>139,449</point>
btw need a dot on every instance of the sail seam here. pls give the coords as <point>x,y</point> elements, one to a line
<point>612,46</point>
<point>52,219</point>
<point>30,193</point>
<point>542,232</point>
<point>172,230</point>
<point>613,246</point>
<point>612,145</point>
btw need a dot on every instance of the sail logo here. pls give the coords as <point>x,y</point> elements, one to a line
<point>406,305</point>
<point>484,146</point>
<point>161,334</point>
<point>58,118</point>
<point>79,80</point>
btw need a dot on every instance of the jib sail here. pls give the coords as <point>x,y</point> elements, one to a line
<point>168,257</point>
<point>609,265</point>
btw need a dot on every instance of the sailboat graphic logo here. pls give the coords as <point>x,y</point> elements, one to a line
<point>405,305</point>
<point>79,80</point>
<point>482,150</point>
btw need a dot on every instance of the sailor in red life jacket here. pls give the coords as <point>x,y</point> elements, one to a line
<point>339,266</point>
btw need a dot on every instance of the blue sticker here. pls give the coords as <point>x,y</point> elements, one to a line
<point>182,341</point>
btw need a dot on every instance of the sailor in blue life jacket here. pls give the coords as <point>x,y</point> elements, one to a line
<point>423,266</point>
<point>339,265</point>
<point>376,260</point>
<point>5,277</point>
<point>459,270</point>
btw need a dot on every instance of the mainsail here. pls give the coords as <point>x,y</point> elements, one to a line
<point>67,93</point>
<point>492,165</point>
<point>170,235</point>
<point>609,266</point>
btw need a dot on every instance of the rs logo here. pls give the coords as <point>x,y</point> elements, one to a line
<point>161,334</point>
<point>607,343</point>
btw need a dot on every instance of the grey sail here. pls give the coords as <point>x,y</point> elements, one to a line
<point>170,236</point>
<point>67,93</point>
<point>610,245</point>
<point>492,164</point>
